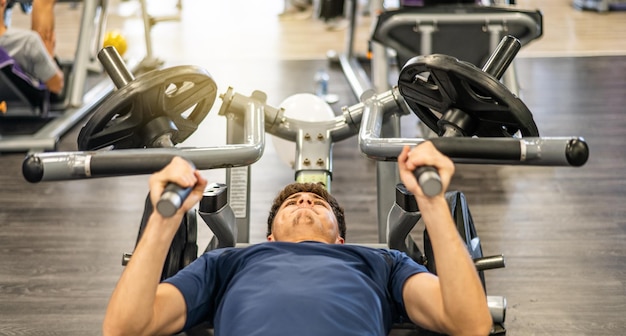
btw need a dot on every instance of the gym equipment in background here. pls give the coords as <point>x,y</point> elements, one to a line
<point>601,6</point>
<point>25,5</point>
<point>31,96</point>
<point>469,32</point>
<point>58,118</point>
<point>76,103</point>
<point>150,61</point>
<point>116,39</point>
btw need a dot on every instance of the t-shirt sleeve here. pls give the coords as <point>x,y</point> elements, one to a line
<point>197,283</point>
<point>42,66</point>
<point>402,268</point>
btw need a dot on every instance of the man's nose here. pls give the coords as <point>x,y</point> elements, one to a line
<point>305,200</point>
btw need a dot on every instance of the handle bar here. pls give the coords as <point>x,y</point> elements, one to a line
<point>540,151</point>
<point>85,164</point>
<point>80,165</point>
<point>529,151</point>
<point>364,118</point>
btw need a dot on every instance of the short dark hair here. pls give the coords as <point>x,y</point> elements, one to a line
<point>315,188</point>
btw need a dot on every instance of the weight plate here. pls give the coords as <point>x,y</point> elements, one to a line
<point>183,94</point>
<point>432,85</point>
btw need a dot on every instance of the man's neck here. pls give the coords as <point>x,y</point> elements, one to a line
<point>3,28</point>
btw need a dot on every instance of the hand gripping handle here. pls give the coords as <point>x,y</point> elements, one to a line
<point>172,198</point>
<point>429,180</point>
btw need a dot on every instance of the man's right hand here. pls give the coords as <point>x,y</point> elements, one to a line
<point>181,172</point>
<point>422,155</point>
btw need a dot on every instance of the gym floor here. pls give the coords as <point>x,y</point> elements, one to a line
<point>561,229</point>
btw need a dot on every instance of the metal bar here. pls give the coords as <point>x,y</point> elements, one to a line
<point>79,165</point>
<point>81,58</point>
<point>115,67</point>
<point>477,18</point>
<point>531,151</point>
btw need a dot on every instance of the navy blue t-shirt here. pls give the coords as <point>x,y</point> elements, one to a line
<point>307,288</point>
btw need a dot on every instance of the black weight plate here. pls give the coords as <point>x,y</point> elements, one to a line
<point>172,92</point>
<point>189,254</point>
<point>181,248</point>
<point>192,226</point>
<point>433,84</point>
<point>466,229</point>
<point>174,259</point>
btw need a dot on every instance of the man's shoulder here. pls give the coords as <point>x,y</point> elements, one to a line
<point>19,33</point>
<point>15,40</point>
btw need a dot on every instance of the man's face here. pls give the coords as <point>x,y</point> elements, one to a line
<point>305,216</point>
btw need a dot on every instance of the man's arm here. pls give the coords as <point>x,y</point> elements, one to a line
<point>42,21</point>
<point>139,304</point>
<point>55,83</point>
<point>43,66</point>
<point>453,302</point>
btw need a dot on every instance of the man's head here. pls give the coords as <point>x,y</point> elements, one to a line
<point>306,211</point>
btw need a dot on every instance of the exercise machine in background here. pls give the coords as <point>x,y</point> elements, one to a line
<point>469,32</point>
<point>150,62</point>
<point>600,5</point>
<point>77,102</point>
<point>30,121</point>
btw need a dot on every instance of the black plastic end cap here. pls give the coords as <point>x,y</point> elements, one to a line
<point>32,169</point>
<point>405,199</point>
<point>577,152</point>
<point>215,197</point>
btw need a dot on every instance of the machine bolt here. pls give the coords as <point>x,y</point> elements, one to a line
<point>320,162</point>
<point>306,162</point>
<point>320,136</point>
<point>307,136</point>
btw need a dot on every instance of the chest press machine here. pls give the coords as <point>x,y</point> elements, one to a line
<point>469,32</point>
<point>478,119</point>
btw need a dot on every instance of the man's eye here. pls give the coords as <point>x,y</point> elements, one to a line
<point>319,203</point>
<point>290,203</point>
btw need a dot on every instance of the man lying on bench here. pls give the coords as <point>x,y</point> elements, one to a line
<point>304,281</point>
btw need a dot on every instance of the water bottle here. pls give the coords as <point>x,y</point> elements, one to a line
<point>321,83</point>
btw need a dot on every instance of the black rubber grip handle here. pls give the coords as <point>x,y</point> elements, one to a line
<point>429,180</point>
<point>172,198</point>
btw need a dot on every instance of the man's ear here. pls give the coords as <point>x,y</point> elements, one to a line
<point>340,240</point>
<point>270,237</point>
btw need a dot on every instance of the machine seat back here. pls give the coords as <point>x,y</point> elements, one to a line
<point>22,95</point>
<point>468,32</point>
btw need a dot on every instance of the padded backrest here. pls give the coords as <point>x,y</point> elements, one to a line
<point>461,31</point>
<point>18,90</point>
